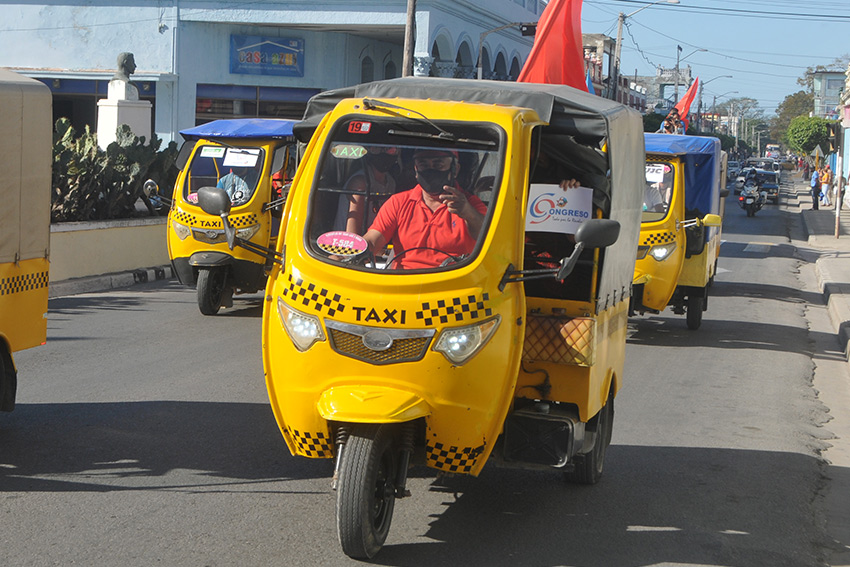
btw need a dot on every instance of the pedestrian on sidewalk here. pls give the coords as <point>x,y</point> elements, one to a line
<point>815,190</point>
<point>806,171</point>
<point>825,185</point>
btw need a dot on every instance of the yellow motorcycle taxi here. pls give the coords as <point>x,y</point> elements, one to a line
<point>680,225</point>
<point>480,315</point>
<point>252,160</point>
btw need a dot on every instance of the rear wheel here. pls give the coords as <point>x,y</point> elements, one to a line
<point>211,288</point>
<point>365,495</point>
<point>694,311</point>
<point>587,468</point>
<point>8,380</point>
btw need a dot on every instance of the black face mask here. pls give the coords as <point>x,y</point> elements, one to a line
<point>433,180</point>
<point>382,162</point>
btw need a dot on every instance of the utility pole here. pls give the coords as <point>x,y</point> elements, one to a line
<point>617,46</point>
<point>676,92</point>
<point>409,39</point>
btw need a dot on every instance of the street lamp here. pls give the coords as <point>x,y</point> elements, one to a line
<point>526,28</point>
<point>713,111</point>
<point>619,45</point>
<point>699,104</point>
<point>678,51</point>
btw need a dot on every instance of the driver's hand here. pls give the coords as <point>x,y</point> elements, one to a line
<point>454,199</point>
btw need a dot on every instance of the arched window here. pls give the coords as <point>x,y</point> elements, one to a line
<point>367,70</point>
<point>390,71</point>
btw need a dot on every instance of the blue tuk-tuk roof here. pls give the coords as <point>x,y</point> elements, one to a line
<point>241,128</point>
<point>701,156</point>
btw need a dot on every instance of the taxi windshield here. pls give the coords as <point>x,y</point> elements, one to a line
<point>235,169</point>
<point>658,191</point>
<point>391,195</point>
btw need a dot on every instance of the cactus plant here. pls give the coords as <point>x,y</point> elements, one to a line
<point>94,184</point>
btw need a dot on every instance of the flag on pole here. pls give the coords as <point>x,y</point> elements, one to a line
<point>589,83</point>
<point>557,55</point>
<point>684,104</point>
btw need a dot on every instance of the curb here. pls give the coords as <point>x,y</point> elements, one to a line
<point>835,294</point>
<point>105,282</point>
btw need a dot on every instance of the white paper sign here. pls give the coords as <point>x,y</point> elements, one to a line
<point>241,157</point>
<point>654,172</point>
<point>551,209</point>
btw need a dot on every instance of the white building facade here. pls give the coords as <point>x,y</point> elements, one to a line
<point>199,61</point>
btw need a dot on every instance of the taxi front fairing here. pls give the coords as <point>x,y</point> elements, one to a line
<point>380,340</point>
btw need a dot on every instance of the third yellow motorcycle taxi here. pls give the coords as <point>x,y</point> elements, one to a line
<point>680,225</point>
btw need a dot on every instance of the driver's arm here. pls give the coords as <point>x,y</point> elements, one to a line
<point>376,240</point>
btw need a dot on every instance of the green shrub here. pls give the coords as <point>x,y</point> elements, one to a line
<point>93,184</point>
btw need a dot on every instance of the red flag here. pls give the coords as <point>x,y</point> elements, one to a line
<point>557,55</point>
<point>684,104</point>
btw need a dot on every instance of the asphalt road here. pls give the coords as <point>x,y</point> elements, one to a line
<point>143,436</point>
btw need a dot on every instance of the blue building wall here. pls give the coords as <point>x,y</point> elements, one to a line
<point>183,48</point>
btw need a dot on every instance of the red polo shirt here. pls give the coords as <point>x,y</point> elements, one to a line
<point>407,222</point>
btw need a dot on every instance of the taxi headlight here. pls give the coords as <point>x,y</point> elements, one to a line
<point>303,329</point>
<point>641,253</point>
<point>248,232</point>
<point>181,230</point>
<point>460,344</point>
<point>662,251</point>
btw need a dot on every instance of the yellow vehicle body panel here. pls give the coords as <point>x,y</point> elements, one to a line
<point>468,403</point>
<point>23,303</point>
<point>660,278</point>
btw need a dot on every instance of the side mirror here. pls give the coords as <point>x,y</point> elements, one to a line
<point>214,201</point>
<point>712,220</point>
<point>150,188</point>
<point>724,193</point>
<point>598,233</point>
<point>593,233</point>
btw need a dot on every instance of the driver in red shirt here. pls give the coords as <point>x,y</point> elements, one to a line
<point>432,222</point>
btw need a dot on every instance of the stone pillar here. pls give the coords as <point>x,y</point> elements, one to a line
<point>122,106</point>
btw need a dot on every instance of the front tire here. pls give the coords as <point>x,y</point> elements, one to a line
<point>211,286</point>
<point>587,468</point>
<point>365,495</point>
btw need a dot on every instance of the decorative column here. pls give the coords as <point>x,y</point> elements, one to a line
<point>422,65</point>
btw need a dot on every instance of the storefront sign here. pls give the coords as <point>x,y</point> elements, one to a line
<point>255,55</point>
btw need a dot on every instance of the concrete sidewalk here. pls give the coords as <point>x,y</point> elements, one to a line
<point>833,263</point>
<point>106,282</point>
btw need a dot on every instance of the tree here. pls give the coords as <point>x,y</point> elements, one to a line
<point>806,132</point>
<point>839,64</point>
<point>800,103</point>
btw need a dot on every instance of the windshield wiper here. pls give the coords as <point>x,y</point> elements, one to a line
<point>373,104</point>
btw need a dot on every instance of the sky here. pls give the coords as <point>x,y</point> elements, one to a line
<point>765,45</point>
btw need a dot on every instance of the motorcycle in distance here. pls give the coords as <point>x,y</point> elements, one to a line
<point>680,225</point>
<point>752,198</point>
<point>252,160</point>
<point>482,314</point>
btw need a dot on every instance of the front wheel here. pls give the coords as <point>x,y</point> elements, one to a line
<point>211,289</point>
<point>694,311</point>
<point>365,495</point>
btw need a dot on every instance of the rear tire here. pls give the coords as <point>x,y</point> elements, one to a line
<point>8,380</point>
<point>211,285</point>
<point>587,468</point>
<point>694,311</point>
<point>365,495</point>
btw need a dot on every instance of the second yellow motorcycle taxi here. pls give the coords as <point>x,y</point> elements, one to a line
<point>680,225</point>
<point>486,323</point>
<point>241,156</point>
